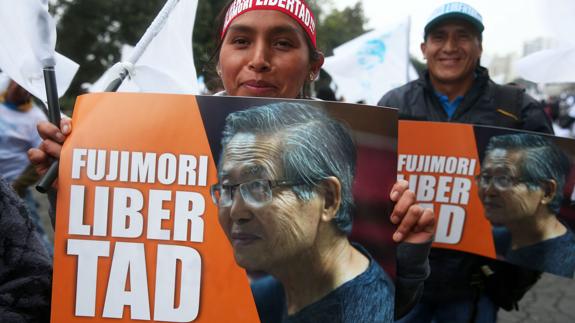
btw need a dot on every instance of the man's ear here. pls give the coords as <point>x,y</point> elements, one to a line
<point>549,188</point>
<point>423,47</point>
<point>330,191</point>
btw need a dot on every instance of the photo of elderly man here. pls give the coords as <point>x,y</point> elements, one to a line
<point>521,188</point>
<point>284,195</point>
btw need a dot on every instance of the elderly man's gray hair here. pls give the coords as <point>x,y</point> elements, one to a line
<point>541,160</point>
<point>314,146</point>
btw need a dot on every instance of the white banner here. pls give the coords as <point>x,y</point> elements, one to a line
<point>27,40</point>
<point>167,64</point>
<point>548,66</point>
<point>368,66</point>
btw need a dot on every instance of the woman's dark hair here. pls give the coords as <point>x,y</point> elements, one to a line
<point>210,67</point>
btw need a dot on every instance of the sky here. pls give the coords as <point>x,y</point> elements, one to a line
<point>508,23</point>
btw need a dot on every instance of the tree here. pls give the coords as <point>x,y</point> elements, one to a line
<point>92,32</point>
<point>339,27</point>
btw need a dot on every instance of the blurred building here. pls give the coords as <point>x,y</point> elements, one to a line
<point>538,44</point>
<point>501,67</point>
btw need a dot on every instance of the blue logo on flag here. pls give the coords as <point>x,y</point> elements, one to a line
<point>371,54</point>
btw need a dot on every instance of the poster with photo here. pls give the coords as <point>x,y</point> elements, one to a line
<point>497,192</point>
<point>137,235</point>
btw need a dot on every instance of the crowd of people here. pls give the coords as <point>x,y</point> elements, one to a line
<point>268,49</point>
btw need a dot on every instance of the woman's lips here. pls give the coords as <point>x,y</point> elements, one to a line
<point>258,86</point>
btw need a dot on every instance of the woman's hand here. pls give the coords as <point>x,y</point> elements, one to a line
<point>51,146</point>
<point>414,223</point>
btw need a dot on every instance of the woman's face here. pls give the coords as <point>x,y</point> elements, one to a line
<point>265,54</point>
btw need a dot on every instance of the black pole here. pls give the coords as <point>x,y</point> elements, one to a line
<point>54,116</point>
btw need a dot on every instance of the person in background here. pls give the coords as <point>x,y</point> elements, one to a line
<point>18,120</point>
<point>456,88</point>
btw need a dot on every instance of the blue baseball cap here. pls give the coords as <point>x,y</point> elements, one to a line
<point>454,10</point>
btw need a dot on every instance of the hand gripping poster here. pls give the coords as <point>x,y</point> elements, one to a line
<point>496,192</point>
<point>172,208</point>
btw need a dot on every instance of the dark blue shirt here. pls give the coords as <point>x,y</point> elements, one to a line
<point>366,298</point>
<point>556,255</point>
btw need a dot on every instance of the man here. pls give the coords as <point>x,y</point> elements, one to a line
<point>284,196</point>
<point>455,88</point>
<point>521,188</point>
<point>18,119</point>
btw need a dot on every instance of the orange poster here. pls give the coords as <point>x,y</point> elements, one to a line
<point>137,234</point>
<point>137,237</point>
<point>440,161</point>
<point>496,192</point>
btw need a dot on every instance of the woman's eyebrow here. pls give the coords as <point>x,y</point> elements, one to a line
<point>241,28</point>
<point>285,29</point>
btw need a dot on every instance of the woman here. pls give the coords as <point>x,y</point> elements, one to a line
<point>269,50</point>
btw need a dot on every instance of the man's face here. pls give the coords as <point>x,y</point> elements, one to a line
<point>269,236</point>
<point>515,203</point>
<point>16,94</point>
<point>452,50</point>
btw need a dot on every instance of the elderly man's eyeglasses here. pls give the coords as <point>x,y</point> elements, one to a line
<point>256,193</point>
<point>501,182</point>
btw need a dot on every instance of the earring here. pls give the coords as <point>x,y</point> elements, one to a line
<point>311,76</point>
<point>219,72</point>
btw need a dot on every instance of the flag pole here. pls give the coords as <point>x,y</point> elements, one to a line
<point>54,117</point>
<point>52,93</point>
<point>152,31</point>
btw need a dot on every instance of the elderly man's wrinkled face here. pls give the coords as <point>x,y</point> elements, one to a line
<point>264,236</point>
<point>504,196</point>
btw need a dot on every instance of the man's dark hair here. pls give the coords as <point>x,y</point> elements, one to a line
<point>314,146</point>
<point>541,160</point>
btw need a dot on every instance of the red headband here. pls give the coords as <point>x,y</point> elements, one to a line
<point>297,9</point>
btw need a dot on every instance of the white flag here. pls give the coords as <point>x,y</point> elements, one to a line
<point>548,66</point>
<point>368,66</point>
<point>27,41</point>
<point>167,64</point>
